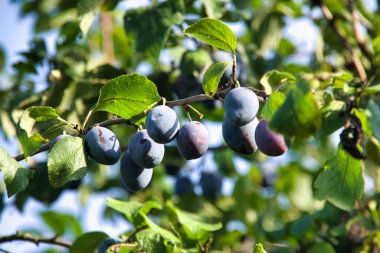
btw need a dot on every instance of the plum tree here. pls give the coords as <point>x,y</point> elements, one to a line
<point>241,106</point>
<point>105,244</point>
<point>183,186</point>
<point>133,176</point>
<point>102,145</point>
<point>211,184</point>
<point>55,140</point>
<point>268,141</point>
<point>144,151</point>
<point>241,139</point>
<point>162,124</point>
<point>192,140</point>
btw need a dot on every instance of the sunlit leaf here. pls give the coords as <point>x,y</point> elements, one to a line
<point>212,77</point>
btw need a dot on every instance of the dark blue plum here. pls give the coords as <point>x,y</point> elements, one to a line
<point>192,140</point>
<point>268,141</point>
<point>211,184</point>
<point>102,145</point>
<point>105,244</point>
<point>183,186</point>
<point>162,124</point>
<point>55,140</point>
<point>241,139</point>
<point>144,151</point>
<point>241,106</point>
<point>134,177</point>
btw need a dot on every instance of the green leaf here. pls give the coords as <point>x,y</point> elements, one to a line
<point>86,22</point>
<point>374,118</point>
<point>164,233</point>
<point>15,176</point>
<point>342,180</point>
<point>88,242</point>
<point>259,248</point>
<point>368,90</point>
<point>67,161</point>
<point>151,241</point>
<point>214,32</point>
<point>212,77</point>
<point>318,247</point>
<point>366,126</point>
<point>127,95</point>
<point>196,226</point>
<point>31,142</point>
<point>2,58</point>
<point>215,8</point>
<point>85,6</point>
<point>273,79</point>
<point>332,119</point>
<point>298,116</point>
<point>340,79</point>
<point>131,209</point>
<point>373,150</point>
<point>149,28</point>
<point>61,224</point>
<point>275,100</point>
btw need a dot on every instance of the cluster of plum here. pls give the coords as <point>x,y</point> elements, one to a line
<point>242,131</point>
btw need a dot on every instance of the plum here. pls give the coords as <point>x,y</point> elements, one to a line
<point>144,151</point>
<point>192,140</point>
<point>183,186</point>
<point>105,244</point>
<point>162,124</point>
<point>55,140</point>
<point>241,106</point>
<point>268,141</point>
<point>102,145</point>
<point>241,139</point>
<point>211,184</point>
<point>134,177</point>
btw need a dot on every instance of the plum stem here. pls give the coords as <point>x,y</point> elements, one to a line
<point>196,111</point>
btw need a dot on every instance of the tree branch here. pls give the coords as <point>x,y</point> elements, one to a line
<point>354,56</point>
<point>34,239</point>
<point>358,35</point>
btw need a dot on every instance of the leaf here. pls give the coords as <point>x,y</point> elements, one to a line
<point>195,226</point>
<point>275,100</point>
<point>366,126</point>
<point>298,116</point>
<point>340,79</point>
<point>374,118</point>
<point>86,22</point>
<point>164,233</point>
<point>151,241</point>
<point>259,248</point>
<point>2,58</point>
<point>214,8</point>
<point>214,32</point>
<point>318,247</point>
<point>212,77</point>
<point>149,28</point>
<point>373,150</point>
<point>88,242</point>
<point>66,161</point>
<point>127,95</point>
<point>131,209</point>
<point>342,180</point>
<point>61,224</point>
<point>273,79</point>
<point>332,119</point>
<point>31,142</point>
<point>85,6</point>
<point>15,176</point>
<point>368,90</point>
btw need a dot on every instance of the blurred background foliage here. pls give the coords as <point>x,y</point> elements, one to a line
<point>269,200</point>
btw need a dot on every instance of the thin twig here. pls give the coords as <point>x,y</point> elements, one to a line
<point>354,56</point>
<point>358,35</point>
<point>34,239</point>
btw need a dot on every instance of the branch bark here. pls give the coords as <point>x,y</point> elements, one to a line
<point>34,239</point>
